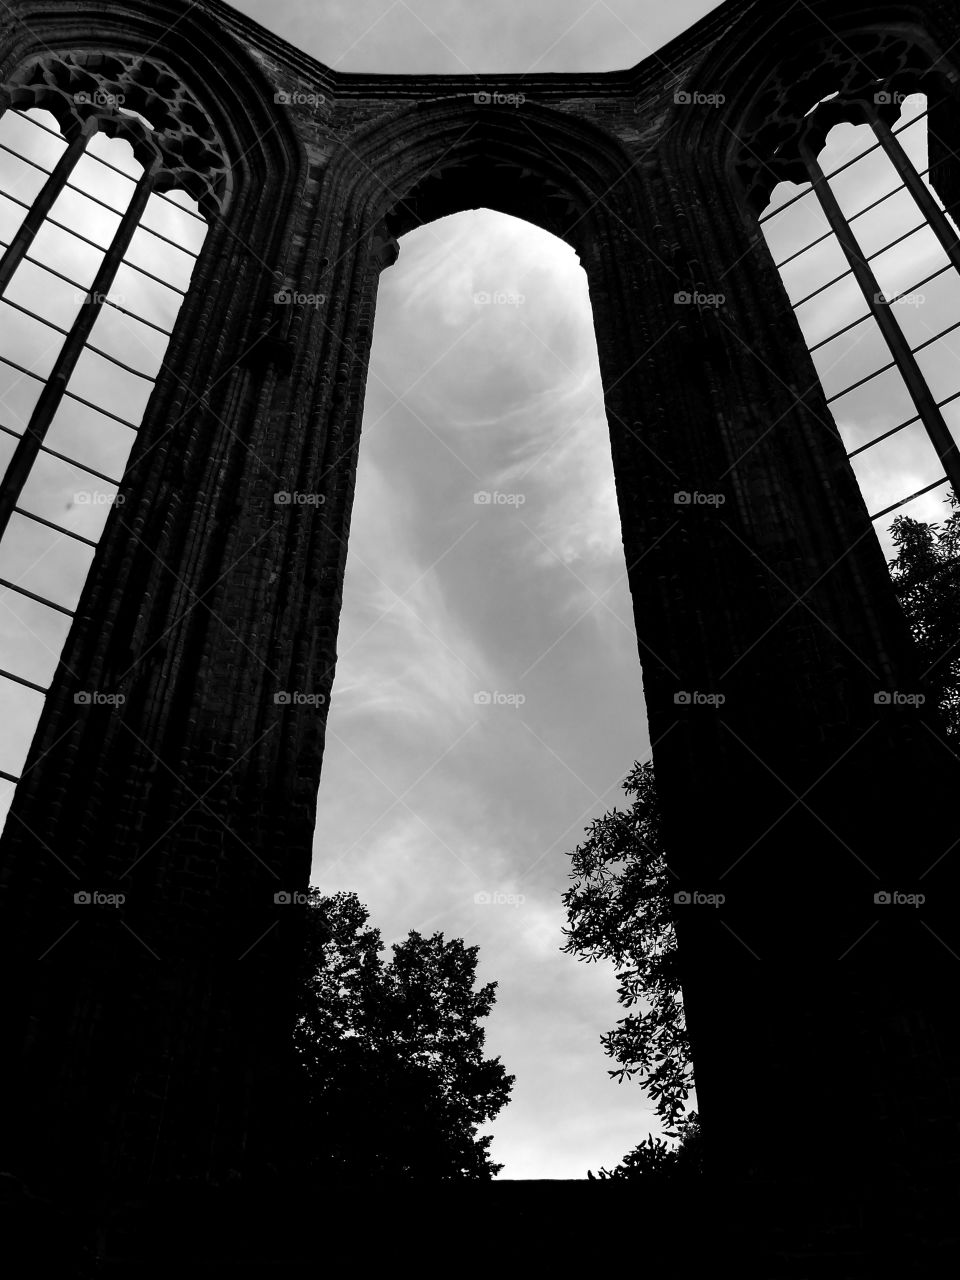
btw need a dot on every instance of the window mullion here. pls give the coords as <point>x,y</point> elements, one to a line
<point>39,209</point>
<point>32,439</point>
<point>933,420</point>
<point>921,193</point>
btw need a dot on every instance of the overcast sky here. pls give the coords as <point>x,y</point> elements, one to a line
<point>429,799</point>
<point>488,699</point>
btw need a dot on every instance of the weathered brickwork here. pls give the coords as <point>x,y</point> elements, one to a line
<point>148,1043</point>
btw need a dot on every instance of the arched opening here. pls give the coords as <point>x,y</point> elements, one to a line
<point>868,256</point>
<point>488,697</point>
<point>96,256</point>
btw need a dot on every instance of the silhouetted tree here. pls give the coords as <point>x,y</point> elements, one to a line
<point>620,906</point>
<point>396,1083</point>
<point>926,577</point>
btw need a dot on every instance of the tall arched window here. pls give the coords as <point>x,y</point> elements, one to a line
<point>107,170</point>
<point>869,257</point>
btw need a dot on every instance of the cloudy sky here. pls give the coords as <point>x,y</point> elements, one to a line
<point>488,699</point>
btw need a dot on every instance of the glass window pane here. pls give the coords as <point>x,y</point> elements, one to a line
<point>22,135</point>
<point>20,711</point>
<point>814,268</point>
<point>43,561</point>
<point>924,312</point>
<point>90,437</point>
<point>57,248</point>
<point>896,467</point>
<point>852,356</point>
<point>798,225</point>
<point>81,214</point>
<point>844,143</point>
<point>868,411</point>
<point>148,298</point>
<point>160,258</point>
<point>831,310</point>
<point>19,394</point>
<point>940,364</point>
<point>45,294</point>
<point>865,181</point>
<point>110,387</point>
<point>11,215</point>
<point>174,223</point>
<point>31,639</point>
<point>929,507</point>
<point>134,343</point>
<point>97,180</point>
<point>875,229</point>
<point>904,264</point>
<point>29,342</point>
<point>20,179</point>
<point>115,151</point>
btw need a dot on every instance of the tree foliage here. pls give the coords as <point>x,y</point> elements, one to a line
<point>395,1079</point>
<point>620,905</point>
<point>926,578</point>
<point>620,908</point>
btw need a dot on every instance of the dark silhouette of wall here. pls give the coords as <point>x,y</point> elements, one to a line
<point>148,1043</point>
